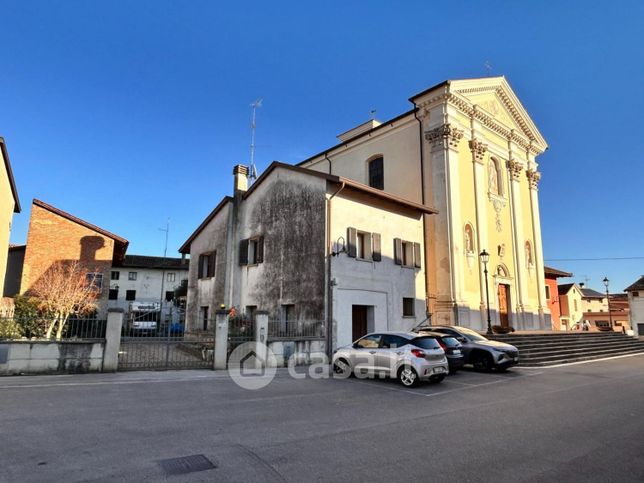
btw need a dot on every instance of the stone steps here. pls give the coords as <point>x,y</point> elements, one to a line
<point>546,349</point>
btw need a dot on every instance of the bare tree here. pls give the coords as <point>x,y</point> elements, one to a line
<point>63,290</point>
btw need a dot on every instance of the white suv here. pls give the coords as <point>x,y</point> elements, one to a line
<point>409,357</point>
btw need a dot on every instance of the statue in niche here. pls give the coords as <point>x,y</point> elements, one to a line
<point>493,177</point>
<point>528,254</point>
<point>469,239</point>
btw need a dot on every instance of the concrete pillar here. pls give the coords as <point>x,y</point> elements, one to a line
<point>261,338</point>
<point>112,340</point>
<point>221,339</point>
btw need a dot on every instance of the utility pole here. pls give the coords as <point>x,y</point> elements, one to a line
<point>253,125</point>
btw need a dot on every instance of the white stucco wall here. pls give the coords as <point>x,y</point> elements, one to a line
<point>636,315</point>
<point>381,285</point>
<point>147,284</point>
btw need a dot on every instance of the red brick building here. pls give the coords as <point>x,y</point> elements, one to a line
<point>57,236</point>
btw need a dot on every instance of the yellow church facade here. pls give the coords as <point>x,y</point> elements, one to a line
<point>468,149</point>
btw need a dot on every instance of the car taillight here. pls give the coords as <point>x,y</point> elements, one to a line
<point>442,344</point>
<point>418,353</point>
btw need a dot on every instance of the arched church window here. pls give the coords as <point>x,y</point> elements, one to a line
<point>376,173</point>
<point>501,271</point>
<point>495,177</point>
<point>468,241</point>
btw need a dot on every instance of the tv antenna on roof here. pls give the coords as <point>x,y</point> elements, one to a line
<point>253,169</point>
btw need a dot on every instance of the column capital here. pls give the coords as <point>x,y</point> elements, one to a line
<point>478,149</point>
<point>515,168</point>
<point>447,134</point>
<point>533,178</point>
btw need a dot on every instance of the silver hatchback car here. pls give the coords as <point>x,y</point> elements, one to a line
<point>409,357</point>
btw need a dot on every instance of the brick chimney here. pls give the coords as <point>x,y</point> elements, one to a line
<point>240,173</point>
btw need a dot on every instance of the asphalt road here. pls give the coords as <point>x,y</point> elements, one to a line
<point>575,423</point>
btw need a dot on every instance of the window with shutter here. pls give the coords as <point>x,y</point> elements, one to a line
<point>376,173</point>
<point>376,254</point>
<point>398,251</point>
<point>260,250</point>
<point>417,258</point>
<point>243,252</point>
<point>352,235</point>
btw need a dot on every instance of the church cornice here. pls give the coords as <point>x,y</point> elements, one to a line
<point>529,138</point>
<point>533,178</point>
<point>447,134</point>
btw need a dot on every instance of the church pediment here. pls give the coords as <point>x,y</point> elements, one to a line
<point>496,102</point>
<point>495,96</point>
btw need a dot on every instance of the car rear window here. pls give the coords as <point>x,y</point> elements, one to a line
<point>426,343</point>
<point>451,342</point>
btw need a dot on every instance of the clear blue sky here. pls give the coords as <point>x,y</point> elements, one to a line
<point>126,113</point>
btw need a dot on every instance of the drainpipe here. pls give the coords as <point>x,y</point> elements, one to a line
<point>422,197</point>
<point>329,287</point>
<point>326,156</point>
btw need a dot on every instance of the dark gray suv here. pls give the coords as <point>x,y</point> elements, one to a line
<point>482,353</point>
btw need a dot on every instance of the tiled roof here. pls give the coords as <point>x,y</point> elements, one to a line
<point>639,285</point>
<point>144,261</point>
<point>555,272</point>
<point>564,288</point>
<point>589,293</point>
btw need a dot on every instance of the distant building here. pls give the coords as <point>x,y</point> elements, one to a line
<point>552,294</point>
<point>570,302</point>
<point>9,204</point>
<point>147,280</point>
<point>635,293</point>
<point>310,248</point>
<point>56,236</point>
<point>596,311</point>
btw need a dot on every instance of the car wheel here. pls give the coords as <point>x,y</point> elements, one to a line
<point>342,369</point>
<point>407,376</point>
<point>482,362</point>
<point>438,378</point>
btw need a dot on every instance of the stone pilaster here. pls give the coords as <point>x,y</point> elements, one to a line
<point>479,150</point>
<point>444,141</point>
<point>533,182</point>
<point>515,168</point>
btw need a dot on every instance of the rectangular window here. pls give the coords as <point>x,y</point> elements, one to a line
<point>376,173</point>
<point>251,251</point>
<point>204,317</point>
<point>169,295</point>
<point>206,266</point>
<point>95,280</point>
<point>170,277</point>
<point>114,294</point>
<point>636,294</point>
<point>115,275</point>
<point>130,295</point>
<point>548,292</point>
<point>363,245</point>
<point>575,301</point>
<point>408,307</point>
<point>131,276</point>
<point>407,253</point>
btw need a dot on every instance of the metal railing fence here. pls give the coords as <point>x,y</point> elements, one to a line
<point>296,329</point>
<point>35,328</point>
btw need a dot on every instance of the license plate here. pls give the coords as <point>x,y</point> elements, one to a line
<point>439,369</point>
<point>456,351</point>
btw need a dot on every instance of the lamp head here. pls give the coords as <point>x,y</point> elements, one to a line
<point>605,282</point>
<point>485,256</point>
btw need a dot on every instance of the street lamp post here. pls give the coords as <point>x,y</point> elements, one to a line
<point>485,258</point>
<point>610,315</point>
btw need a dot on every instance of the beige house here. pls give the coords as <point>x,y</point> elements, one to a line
<point>469,149</point>
<point>9,204</point>
<point>572,306</point>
